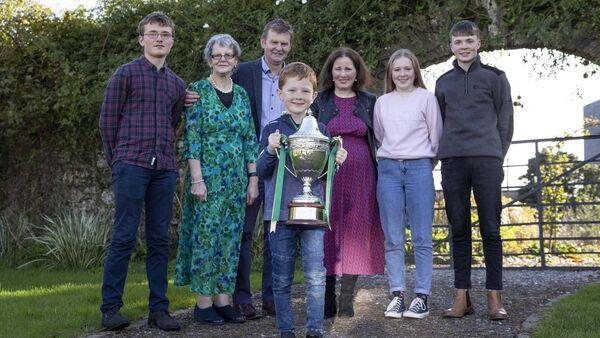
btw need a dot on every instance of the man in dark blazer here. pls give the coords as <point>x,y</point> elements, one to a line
<point>260,79</point>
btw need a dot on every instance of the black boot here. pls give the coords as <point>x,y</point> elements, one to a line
<point>330,303</point>
<point>347,283</point>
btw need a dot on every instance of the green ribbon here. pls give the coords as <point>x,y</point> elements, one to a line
<point>330,173</point>
<point>278,183</point>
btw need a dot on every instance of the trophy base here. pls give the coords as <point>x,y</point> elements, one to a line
<point>306,216</point>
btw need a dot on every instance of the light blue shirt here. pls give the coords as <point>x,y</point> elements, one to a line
<point>271,104</point>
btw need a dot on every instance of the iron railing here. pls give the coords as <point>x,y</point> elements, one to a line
<point>521,197</point>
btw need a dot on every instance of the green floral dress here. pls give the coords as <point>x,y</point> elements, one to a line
<point>224,141</point>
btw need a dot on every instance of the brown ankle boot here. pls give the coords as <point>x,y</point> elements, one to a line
<point>461,307</point>
<point>495,309</point>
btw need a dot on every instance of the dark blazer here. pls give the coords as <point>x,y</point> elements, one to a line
<point>325,109</point>
<point>249,76</point>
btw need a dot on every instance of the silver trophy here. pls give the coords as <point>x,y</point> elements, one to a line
<point>309,151</point>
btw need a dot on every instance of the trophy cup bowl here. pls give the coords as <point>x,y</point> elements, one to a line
<point>309,151</point>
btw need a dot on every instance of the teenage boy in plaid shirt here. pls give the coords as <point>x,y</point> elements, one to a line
<point>140,112</point>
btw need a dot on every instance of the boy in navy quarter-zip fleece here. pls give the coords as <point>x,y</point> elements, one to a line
<point>297,90</point>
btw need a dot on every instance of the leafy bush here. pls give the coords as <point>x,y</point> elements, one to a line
<point>77,240</point>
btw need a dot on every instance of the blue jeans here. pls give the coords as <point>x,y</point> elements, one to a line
<point>133,187</point>
<point>284,243</point>
<point>405,190</point>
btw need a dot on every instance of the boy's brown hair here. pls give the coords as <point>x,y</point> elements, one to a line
<point>464,28</point>
<point>156,17</point>
<point>300,70</point>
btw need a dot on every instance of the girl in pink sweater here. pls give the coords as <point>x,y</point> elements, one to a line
<point>407,126</point>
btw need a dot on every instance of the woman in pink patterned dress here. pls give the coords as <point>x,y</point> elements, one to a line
<point>354,246</point>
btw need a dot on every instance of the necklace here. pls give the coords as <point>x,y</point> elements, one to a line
<point>214,84</point>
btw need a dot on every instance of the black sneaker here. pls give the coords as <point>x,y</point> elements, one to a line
<point>314,334</point>
<point>418,308</point>
<point>163,320</point>
<point>396,306</point>
<point>288,334</point>
<point>112,320</point>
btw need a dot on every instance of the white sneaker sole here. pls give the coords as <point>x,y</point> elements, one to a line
<point>393,314</point>
<point>409,314</point>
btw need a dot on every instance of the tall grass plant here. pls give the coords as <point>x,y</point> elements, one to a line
<point>14,231</point>
<point>73,240</point>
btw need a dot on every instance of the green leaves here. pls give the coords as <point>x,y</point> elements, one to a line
<point>54,70</point>
<point>74,240</point>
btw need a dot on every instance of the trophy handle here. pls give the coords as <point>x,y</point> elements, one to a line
<point>336,143</point>
<point>283,143</point>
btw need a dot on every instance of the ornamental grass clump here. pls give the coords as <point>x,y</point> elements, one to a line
<point>74,240</point>
<point>14,231</point>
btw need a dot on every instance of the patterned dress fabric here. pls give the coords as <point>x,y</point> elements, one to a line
<point>355,245</point>
<point>224,141</point>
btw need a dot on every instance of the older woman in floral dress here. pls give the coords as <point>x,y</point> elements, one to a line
<point>220,147</point>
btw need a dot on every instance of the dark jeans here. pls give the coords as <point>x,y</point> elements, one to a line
<point>135,187</point>
<point>484,175</point>
<point>243,293</point>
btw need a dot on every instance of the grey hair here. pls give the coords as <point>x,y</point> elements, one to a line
<point>223,40</point>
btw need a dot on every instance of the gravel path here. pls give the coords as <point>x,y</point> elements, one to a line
<point>527,295</point>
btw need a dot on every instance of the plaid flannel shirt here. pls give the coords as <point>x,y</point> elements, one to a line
<point>139,115</point>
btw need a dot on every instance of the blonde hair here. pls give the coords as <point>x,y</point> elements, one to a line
<point>403,53</point>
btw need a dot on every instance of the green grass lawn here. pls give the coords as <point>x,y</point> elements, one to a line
<point>41,303</point>
<point>573,316</point>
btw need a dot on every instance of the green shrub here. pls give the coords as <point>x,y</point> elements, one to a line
<point>77,240</point>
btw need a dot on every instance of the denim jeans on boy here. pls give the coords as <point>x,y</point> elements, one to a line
<point>405,190</point>
<point>484,175</point>
<point>284,246</point>
<point>133,187</point>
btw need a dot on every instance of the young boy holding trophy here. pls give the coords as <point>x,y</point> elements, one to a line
<point>306,220</point>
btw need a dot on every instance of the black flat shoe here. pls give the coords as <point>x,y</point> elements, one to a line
<point>229,314</point>
<point>208,316</point>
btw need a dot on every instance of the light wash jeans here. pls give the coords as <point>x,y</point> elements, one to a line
<point>405,189</point>
<point>284,243</point>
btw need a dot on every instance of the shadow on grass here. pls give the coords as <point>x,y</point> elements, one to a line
<point>42,303</point>
<point>38,303</point>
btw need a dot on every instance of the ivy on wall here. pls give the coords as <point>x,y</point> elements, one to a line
<point>53,70</point>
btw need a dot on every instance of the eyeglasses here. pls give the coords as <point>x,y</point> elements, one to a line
<point>217,57</point>
<point>154,35</point>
